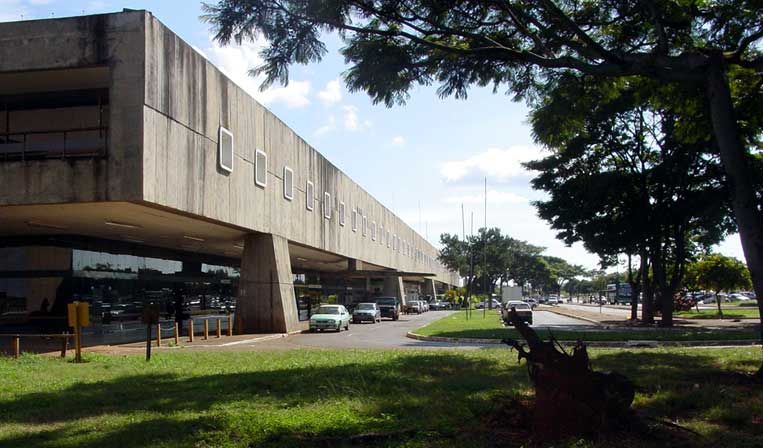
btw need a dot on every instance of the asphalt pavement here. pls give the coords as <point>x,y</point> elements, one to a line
<point>392,334</point>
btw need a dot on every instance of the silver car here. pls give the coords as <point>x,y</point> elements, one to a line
<point>366,312</point>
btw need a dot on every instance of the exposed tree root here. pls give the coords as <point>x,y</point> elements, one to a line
<point>571,399</point>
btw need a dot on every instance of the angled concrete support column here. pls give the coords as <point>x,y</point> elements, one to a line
<point>266,302</point>
<point>393,287</point>
<point>429,287</point>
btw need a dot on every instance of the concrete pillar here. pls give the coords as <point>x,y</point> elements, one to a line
<point>266,302</point>
<point>393,287</point>
<point>354,265</point>
<point>429,287</point>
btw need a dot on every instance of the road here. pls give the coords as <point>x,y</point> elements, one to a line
<point>391,334</point>
<point>624,313</point>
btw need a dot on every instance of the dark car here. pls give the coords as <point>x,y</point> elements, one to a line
<point>389,307</point>
<point>523,309</point>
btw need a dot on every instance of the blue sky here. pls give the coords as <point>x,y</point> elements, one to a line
<point>422,160</point>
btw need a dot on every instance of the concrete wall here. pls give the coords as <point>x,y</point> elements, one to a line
<point>114,41</point>
<point>166,105</point>
<point>187,100</point>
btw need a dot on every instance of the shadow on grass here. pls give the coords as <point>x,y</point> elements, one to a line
<point>677,334</point>
<point>712,391</point>
<point>427,391</point>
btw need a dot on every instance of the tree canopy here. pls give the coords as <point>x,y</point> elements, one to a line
<point>520,46</point>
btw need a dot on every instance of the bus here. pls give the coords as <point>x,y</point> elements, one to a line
<point>619,293</point>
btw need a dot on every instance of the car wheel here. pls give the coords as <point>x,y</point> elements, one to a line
<point>347,327</point>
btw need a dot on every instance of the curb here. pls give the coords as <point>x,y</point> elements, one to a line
<point>421,337</point>
<point>593,321</point>
<point>602,344</point>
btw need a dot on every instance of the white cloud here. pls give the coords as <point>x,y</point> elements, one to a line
<point>235,61</point>
<point>398,140</point>
<point>332,94</point>
<point>493,197</point>
<point>350,118</point>
<point>330,126</point>
<point>352,121</point>
<point>495,163</point>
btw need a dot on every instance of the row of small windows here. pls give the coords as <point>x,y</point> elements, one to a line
<point>225,161</point>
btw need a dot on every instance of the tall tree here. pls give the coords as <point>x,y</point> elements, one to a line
<point>720,273</point>
<point>392,45</point>
<point>629,175</point>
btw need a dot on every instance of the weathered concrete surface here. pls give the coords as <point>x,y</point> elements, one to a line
<point>266,302</point>
<point>114,41</point>
<point>393,287</point>
<point>167,103</point>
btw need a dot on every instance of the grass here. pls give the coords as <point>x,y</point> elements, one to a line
<point>731,313</point>
<point>458,326</point>
<point>184,399</point>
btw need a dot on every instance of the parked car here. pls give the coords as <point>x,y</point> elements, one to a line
<point>496,304</point>
<point>413,306</point>
<point>330,317</point>
<point>438,305</point>
<point>532,302</point>
<point>424,305</point>
<point>738,297</point>
<point>389,307</point>
<point>552,301</point>
<point>366,312</point>
<point>524,310</point>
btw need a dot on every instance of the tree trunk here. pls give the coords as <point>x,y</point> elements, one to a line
<point>736,163</point>
<point>718,302</point>
<point>570,398</point>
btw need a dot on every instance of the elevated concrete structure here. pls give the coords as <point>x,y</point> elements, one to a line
<point>140,162</point>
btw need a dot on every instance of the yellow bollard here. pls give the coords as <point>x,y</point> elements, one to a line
<point>177,334</point>
<point>190,330</point>
<point>230,325</point>
<point>158,335</point>
<point>206,329</point>
<point>219,330</point>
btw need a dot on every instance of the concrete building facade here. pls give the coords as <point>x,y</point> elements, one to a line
<point>117,137</point>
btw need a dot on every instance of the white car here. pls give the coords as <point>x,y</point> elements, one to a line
<point>738,297</point>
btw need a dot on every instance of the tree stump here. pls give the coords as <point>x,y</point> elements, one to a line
<point>570,398</point>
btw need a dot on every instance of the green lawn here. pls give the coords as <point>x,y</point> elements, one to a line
<point>299,398</point>
<point>458,326</point>
<point>730,313</point>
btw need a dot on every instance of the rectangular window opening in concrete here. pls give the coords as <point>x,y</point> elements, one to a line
<point>327,205</point>
<point>288,183</point>
<point>341,214</point>
<point>261,169</point>
<point>54,114</point>
<point>225,149</point>
<point>365,225</point>
<point>310,196</point>
<point>373,231</point>
<point>355,220</point>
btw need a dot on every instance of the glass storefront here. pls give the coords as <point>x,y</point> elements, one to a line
<point>37,282</point>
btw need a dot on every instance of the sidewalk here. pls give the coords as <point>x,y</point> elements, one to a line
<point>225,343</point>
<point>612,319</point>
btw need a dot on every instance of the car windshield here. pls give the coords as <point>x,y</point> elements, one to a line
<point>328,310</point>
<point>519,305</point>
<point>366,306</point>
<point>386,301</point>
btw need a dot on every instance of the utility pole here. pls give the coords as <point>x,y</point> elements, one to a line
<point>484,259</point>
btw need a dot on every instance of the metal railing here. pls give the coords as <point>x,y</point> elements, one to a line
<point>54,144</point>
